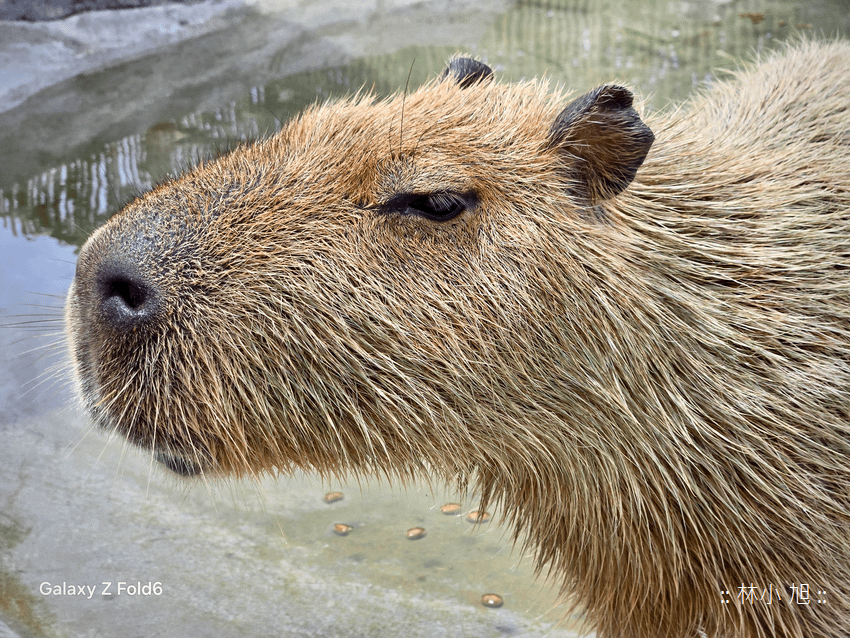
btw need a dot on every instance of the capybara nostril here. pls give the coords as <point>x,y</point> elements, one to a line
<point>126,298</point>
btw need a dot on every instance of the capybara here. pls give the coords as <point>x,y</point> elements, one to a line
<point>633,337</point>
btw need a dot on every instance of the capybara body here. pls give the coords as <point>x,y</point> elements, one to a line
<point>639,349</point>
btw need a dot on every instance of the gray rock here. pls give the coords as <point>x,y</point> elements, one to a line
<point>38,10</point>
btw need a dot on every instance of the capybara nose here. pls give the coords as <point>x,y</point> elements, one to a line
<point>126,297</point>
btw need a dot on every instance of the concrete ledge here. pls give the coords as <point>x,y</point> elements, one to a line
<point>35,55</point>
<point>38,10</point>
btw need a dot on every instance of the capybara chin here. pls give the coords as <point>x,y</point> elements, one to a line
<point>636,344</point>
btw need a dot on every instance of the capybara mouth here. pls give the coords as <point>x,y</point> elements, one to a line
<point>180,464</point>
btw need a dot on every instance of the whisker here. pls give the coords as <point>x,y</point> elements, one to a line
<point>61,297</point>
<point>403,99</point>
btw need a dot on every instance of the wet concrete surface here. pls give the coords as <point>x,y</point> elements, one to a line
<point>35,55</point>
<point>102,542</point>
<point>43,10</point>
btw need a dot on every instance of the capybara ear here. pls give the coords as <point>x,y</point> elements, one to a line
<point>466,71</point>
<point>606,136</point>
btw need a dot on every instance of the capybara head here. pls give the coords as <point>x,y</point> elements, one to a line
<point>644,358</point>
<point>346,295</point>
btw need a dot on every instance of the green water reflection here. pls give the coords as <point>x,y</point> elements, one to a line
<point>54,180</point>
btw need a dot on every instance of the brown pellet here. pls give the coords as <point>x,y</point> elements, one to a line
<point>415,533</point>
<point>450,509</point>
<point>476,516</point>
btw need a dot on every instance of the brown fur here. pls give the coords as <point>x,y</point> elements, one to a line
<point>653,385</point>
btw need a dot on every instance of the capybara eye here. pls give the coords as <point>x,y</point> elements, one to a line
<point>438,207</point>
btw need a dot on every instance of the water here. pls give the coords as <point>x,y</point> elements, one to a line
<point>258,559</point>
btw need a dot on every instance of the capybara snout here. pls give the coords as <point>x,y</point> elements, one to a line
<point>631,331</point>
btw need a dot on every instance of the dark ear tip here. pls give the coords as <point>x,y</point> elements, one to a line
<point>466,71</point>
<point>615,96</point>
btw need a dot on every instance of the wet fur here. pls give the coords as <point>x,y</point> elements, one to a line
<point>652,386</point>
